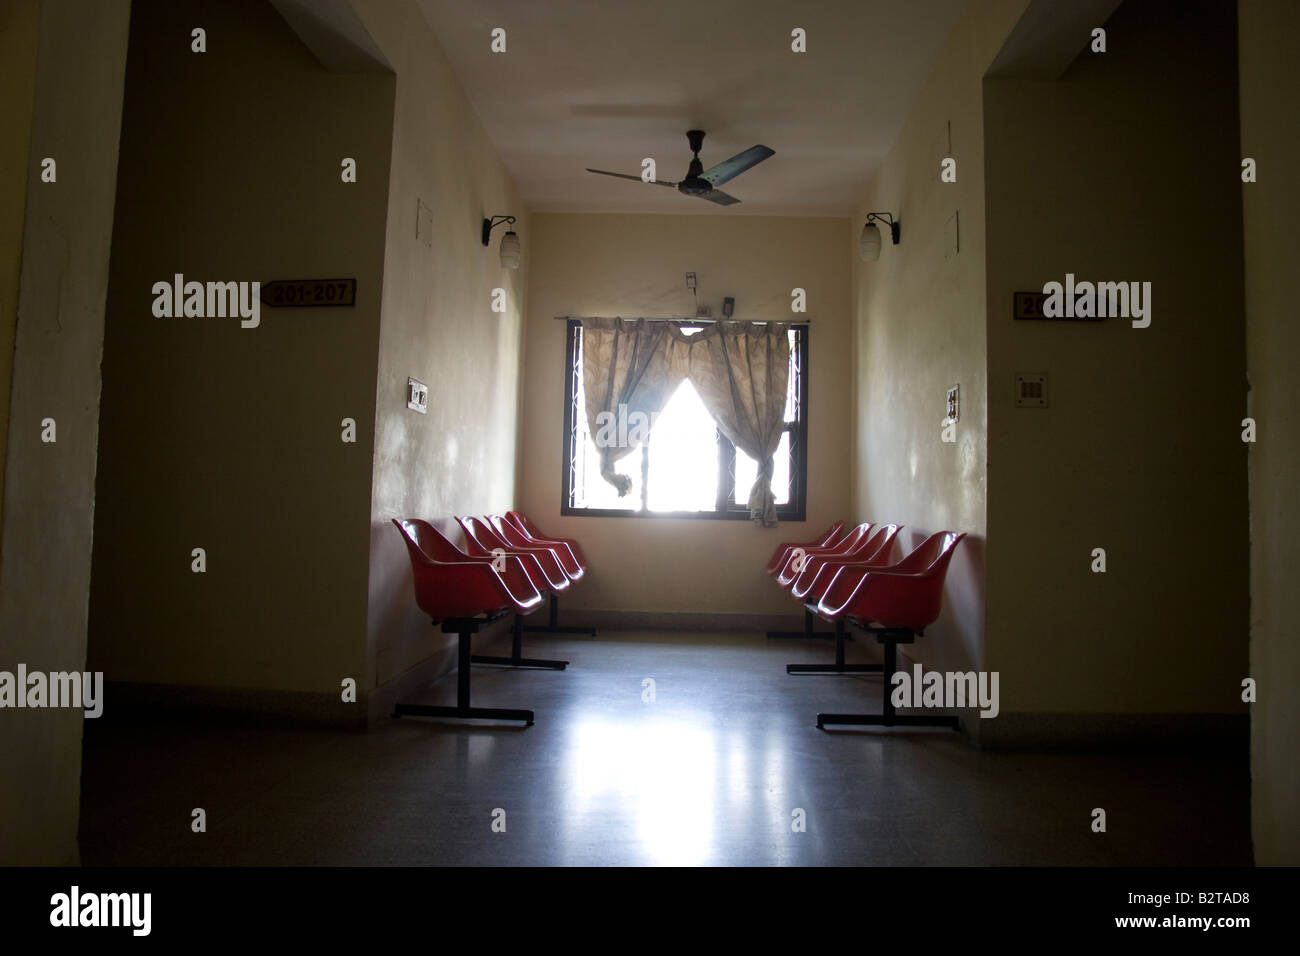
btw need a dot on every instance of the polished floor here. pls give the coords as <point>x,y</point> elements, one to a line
<point>711,772</point>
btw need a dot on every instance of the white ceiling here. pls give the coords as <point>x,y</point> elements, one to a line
<point>604,83</point>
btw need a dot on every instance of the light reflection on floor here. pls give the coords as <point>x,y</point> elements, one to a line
<point>664,772</point>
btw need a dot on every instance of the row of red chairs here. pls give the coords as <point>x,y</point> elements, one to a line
<point>470,571</point>
<point>848,578</point>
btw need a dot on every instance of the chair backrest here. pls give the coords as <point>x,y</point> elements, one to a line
<point>427,543</point>
<point>481,534</point>
<point>521,519</point>
<point>829,536</point>
<point>854,537</point>
<point>932,555</point>
<point>508,531</point>
<point>451,584</point>
<point>880,544</point>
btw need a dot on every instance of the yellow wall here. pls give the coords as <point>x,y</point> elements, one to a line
<point>19,25</point>
<point>635,265</point>
<point>49,486</point>
<point>225,438</point>
<point>1123,169</point>
<point>438,327</point>
<point>920,329</point>
<point>1270,134</point>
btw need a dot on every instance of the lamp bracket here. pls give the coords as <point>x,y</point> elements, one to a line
<point>887,218</point>
<point>490,224</point>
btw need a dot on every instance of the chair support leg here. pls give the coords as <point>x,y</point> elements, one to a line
<point>839,667</point>
<point>808,620</point>
<point>465,628</point>
<point>516,658</point>
<point>553,627</point>
<point>888,717</point>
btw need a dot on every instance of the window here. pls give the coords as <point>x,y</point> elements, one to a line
<point>688,468</point>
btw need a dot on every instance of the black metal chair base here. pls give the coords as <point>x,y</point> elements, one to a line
<point>520,662</point>
<point>516,658</point>
<point>552,626</point>
<point>464,713</point>
<point>834,669</point>
<point>890,637</point>
<point>465,628</point>
<point>808,631</point>
<point>886,720</point>
<point>839,667</point>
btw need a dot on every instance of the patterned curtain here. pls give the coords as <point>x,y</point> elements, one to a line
<point>628,378</point>
<point>741,371</point>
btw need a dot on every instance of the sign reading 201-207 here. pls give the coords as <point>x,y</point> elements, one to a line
<point>309,292</point>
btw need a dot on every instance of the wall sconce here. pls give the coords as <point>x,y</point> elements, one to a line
<point>509,242</point>
<point>869,243</point>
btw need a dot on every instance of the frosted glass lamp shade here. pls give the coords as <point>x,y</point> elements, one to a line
<point>869,243</point>
<point>510,250</point>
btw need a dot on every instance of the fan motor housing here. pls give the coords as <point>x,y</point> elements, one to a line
<point>694,186</point>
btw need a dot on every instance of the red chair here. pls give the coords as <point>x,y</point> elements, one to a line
<point>521,521</point>
<point>903,595</point>
<point>521,539</point>
<point>450,584</point>
<point>794,564</point>
<point>783,565</point>
<point>872,551</point>
<point>895,604</point>
<point>782,552</point>
<point>792,559</point>
<point>462,593</point>
<point>483,542</point>
<point>575,565</point>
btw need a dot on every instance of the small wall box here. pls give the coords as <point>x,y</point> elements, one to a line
<point>1031,390</point>
<point>417,396</point>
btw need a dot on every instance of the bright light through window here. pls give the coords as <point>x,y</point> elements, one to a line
<point>679,470</point>
<point>684,455</point>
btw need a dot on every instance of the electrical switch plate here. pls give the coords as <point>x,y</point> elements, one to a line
<point>954,405</point>
<point>1031,390</point>
<point>417,396</point>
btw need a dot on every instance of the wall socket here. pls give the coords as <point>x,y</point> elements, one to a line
<point>954,405</point>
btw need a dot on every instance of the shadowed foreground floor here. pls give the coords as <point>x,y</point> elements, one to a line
<point>710,772</point>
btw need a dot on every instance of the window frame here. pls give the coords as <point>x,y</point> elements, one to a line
<point>726,508</point>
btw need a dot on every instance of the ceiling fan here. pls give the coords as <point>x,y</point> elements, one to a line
<point>701,182</point>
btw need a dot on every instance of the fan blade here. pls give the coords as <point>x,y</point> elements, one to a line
<point>731,168</point>
<point>719,197</point>
<point>653,182</point>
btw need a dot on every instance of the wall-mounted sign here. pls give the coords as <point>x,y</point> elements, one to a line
<point>309,292</point>
<point>1029,305</point>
